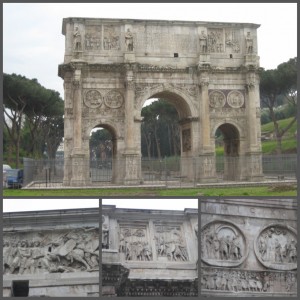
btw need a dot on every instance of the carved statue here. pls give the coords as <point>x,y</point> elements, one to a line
<point>77,45</point>
<point>249,43</point>
<point>203,42</point>
<point>129,40</point>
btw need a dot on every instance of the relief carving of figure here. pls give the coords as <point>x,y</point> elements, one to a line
<point>249,43</point>
<point>77,45</point>
<point>203,42</point>
<point>129,40</point>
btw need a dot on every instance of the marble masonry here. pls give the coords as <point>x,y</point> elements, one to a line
<point>208,70</point>
<point>248,247</point>
<point>51,253</point>
<point>149,252</point>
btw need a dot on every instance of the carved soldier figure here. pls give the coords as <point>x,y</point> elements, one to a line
<point>77,39</point>
<point>249,43</point>
<point>203,42</point>
<point>292,251</point>
<point>20,260</point>
<point>235,248</point>
<point>129,40</point>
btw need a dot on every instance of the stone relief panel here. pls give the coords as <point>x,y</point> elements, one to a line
<point>232,40</point>
<point>93,38</point>
<point>134,244</point>
<point>114,99</point>
<point>242,281</point>
<point>235,99</point>
<point>223,244</point>
<point>216,99</point>
<point>111,37</point>
<point>105,232</point>
<point>276,247</point>
<point>93,98</point>
<point>215,40</point>
<point>170,245</point>
<point>51,251</point>
<point>186,140</point>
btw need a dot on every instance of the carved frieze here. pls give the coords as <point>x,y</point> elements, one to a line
<point>276,247</point>
<point>223,244</point>
<point>93,98</point>
<point>243,281</point>
<point>170,243</point>
<point>134,244</point>
<point>51,251</point>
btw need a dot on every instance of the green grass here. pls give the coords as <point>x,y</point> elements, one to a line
<point>288,146</point>
<point>185,192</point>
<point>269,127</point>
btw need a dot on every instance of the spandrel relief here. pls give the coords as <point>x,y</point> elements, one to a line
<point>134,245</point>
<point>51,252</point>
<point>276,247</point>
<point>223,244</point>
<point>170,243</point>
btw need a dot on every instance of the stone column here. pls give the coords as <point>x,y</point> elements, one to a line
<point>132,155</point>
<point>254,154</point>
<point>79,161</point>
<point>206,160</point>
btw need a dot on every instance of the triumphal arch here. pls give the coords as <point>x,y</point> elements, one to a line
<point>208,70</point>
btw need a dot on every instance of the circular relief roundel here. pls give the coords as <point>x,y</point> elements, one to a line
<point>223,244</point>
<point>216,99</point>
<point>235,99</point>
<point>276,247</point>
<point>93,99</point>
<point>114,99</point>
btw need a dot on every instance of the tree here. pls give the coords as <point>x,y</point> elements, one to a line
<point>160,129</point>
<point>275,84</point>
<point>27,107</point>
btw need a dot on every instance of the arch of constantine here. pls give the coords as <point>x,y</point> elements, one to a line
<point>209,71</point>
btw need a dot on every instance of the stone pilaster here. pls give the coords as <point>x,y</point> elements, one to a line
<point>131,155</point>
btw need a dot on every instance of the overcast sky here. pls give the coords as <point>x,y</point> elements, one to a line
<point>33,44</point>
<point>162,204</point>
<point>11,205</point>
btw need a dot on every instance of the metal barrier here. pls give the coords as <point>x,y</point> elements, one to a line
<point>168,171</point>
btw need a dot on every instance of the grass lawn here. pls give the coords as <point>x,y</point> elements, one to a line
<point>180,192</point>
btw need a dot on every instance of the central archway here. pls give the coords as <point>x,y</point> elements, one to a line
<point>188,134</point>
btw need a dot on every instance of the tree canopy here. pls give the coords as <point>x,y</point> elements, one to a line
<point>29,108</point>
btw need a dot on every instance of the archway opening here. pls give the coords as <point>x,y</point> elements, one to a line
<point>102,150</point>
<point>165,136</point>
<point>228,158</point>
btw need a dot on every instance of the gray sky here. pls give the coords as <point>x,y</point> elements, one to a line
<point>163,204</point>
<point>11,205</point>
<point>33,44</point>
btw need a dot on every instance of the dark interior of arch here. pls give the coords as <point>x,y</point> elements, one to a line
<point>231,139</point>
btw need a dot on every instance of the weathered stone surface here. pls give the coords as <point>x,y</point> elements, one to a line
<point>208,71</point>
<point>248,247</point>
<point>57,252</point>
<point>150,253</point>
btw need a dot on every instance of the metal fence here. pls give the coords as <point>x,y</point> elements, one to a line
<point>167,171</point>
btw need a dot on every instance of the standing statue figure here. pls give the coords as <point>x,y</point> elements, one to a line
<point>249,43</point>
<point>203,42</point>
<point>129,40</point>
<point>77,46</point>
